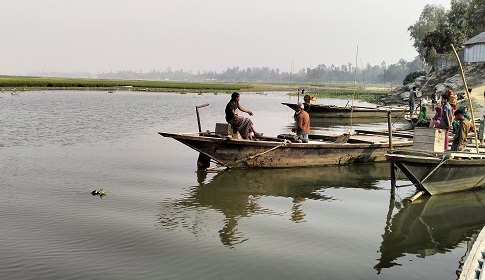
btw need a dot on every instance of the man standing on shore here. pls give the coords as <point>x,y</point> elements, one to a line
<point>412,96</point>
<point>480,130</point>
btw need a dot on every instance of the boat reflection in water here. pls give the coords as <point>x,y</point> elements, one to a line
<point>238,194</point>
<point>431,225</point>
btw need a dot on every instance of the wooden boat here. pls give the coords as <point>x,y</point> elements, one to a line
<point>441,172</point>
<point>332,111</point>
<point>269,152</point>
<point>431,225</point>
<point>473,267</point>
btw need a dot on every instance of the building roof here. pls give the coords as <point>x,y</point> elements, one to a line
<point>479,39</point>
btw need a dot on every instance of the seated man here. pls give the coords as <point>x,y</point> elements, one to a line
<point>243,125</point>
<point>464,127</point>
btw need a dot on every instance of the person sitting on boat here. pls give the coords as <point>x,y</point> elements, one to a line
<point>435,121</point>
<point>455,122</point>
<point>460,138</point>
<point>302,119</point>
<point>243,125</point>
<point>423,120</point>
<point>446,118</point>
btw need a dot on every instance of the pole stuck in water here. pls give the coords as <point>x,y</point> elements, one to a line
<point>203,161</point>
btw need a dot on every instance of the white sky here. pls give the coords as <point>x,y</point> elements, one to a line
<point>142,35</point>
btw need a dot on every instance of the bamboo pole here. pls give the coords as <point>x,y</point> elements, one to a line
<point>355,85</point>
<point>467,95</point>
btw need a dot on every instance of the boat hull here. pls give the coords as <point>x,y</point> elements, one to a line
<point>441,173</point>
<point>330,111</point>
<point>234,153</point>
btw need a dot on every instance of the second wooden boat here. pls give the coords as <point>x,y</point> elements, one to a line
<point>332,111</point>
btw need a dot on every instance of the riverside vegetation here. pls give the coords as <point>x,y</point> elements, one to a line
<point>369,92</point>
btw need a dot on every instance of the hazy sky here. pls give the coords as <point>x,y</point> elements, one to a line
<point>113,35</point>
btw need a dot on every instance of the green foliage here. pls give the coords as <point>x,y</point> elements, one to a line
<point>438,29</point>
<point>475,17</point>
<point>412,76</point>
<point>14,81</point>
<point>430,19</point>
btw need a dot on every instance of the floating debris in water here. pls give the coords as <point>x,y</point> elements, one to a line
<point>99,192</point>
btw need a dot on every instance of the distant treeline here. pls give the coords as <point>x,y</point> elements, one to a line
<point>321,74</point>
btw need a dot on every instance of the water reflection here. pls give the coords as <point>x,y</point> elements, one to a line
<point>431,225</point>
<point>237,194</point>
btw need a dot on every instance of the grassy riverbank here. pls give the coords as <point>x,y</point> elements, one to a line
<point>369,92</point>
<point>23,82</point>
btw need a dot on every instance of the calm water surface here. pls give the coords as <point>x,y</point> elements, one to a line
<point>161,219</point>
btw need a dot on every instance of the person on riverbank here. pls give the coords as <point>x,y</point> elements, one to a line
<point>423,120</point>
<point>480,130</point>
<point>434,98</point>
<point>455,122</point>
<point>451,98</point>
<point>435,120</point>
<point>446,118</point>
<point>412,97</point>
<point>464,127</point>
<point>243,125</point>
<point>302,119</point>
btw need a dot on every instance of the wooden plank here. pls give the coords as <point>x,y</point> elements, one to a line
<point>466,155</point>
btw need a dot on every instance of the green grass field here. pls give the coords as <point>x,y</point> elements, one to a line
<point>368,92</point>
<point>48,82</point>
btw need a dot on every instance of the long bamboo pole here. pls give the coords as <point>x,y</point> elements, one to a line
<point>468,96</point>
<point>355,89</point>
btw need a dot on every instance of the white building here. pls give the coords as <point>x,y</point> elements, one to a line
<point>475,49</point>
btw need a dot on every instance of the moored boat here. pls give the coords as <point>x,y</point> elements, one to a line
<point>441,172</point>
<point>332,111</point>
<point>271,152</point>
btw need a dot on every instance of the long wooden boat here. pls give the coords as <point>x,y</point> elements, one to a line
<point>441,172</point>
<point>332,111</point>
<point>430,225</point>
<point>271,152</point>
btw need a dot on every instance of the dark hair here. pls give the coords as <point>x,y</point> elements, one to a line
<point>445,96</point>
<point>414,88</point>
<point>234,95</point>
<point>459,112</point>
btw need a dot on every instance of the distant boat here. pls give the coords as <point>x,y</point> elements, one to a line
<point>332,111</point>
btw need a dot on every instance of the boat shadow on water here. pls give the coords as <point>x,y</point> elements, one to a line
<point>431,225</point>
<point>237,194</point>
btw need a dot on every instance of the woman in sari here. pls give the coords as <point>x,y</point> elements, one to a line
<point>435,121</point>
<point>239,123</point>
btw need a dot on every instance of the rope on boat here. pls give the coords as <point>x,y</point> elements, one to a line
<point>285,142</point>
<point>443,160</point>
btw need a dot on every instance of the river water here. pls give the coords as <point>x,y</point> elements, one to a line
<point>160,219</point>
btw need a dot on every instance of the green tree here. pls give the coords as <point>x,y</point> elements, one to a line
<point>457,18</point>
<point>430,19</point>
<point>475,17</point>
